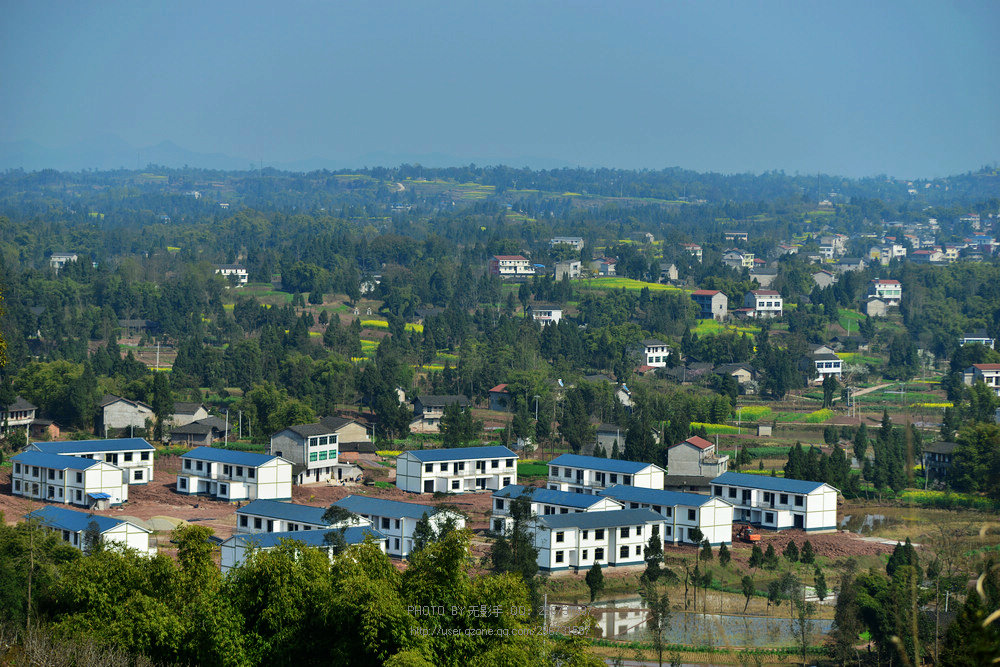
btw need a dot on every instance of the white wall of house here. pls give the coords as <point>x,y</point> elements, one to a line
<point>591,480</point>
<point>454,476</point>
<point>812,512</point>
<point>502,519</point>
<point>69,486</point>
<point>271,480</point>
<point>611,546</point>
<point>122,414</point>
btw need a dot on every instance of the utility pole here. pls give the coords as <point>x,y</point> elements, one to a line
<point>227,428</point>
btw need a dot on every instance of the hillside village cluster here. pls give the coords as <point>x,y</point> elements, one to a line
<point>590,510</point>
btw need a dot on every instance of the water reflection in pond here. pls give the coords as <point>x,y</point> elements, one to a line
<point>865,524</point>
<point>625,619</point>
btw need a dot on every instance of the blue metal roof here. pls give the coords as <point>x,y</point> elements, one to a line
<point>607,519</point>
<point>311,538</point>
<point>383,507</point>
<point>461,454</point>
<point>66,519</point>
<point>100,496</point>
<point>55,461</point>
<point>91,446</point>
<point>599,463</point>
<point>549,496</point>
<point>767,483</point>
<point>275,509</point>
<point>655,497</point>
<point>229,456</point>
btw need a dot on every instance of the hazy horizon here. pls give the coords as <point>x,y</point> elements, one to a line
<point>901,89</point>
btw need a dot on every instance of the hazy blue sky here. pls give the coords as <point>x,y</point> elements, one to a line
<point>911,89</point>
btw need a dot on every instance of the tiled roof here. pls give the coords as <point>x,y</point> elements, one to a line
<point>549,496</point>
<point>64,518</point>
<point>90,446</point>
<point>460,454</point>
<point>384,507</point>
<point>311,538</point>
<point>705,292</point>
<point>229,456</point>
<point>599,463</point>
<point>606,519</point>
<point>54,461</point>
<point>511,257</point>
<point>767,482</point>
<point>987,367</point>
<point>697,441</point>
<point>306,430</point>
<point>20,405</point>
<point>499,389</point>
<point>276,509</point>
<point>655,496</point>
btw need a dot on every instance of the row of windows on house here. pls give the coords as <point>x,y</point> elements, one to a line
<point>54,492</point>
<point>768,496</point>
<point>322,440</point>
<point>258,524</point>
<point>828,364</point>
<point>456,484</point>
<point>323,455</point>
<point>226,469</point>
<point>127,457</point>
<point>623,552</point>
<point>459,466</point>
<point>599,477</point>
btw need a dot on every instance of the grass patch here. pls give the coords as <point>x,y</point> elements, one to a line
<point>532,469</point>
<point>713,327</point>
<point>858,358</point>
<point>950,500</point>
<point>617,282</point>
<point>715,429</point>
<point>755,413</point>
<point>384,485</point>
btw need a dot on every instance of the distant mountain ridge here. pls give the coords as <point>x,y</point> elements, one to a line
<point>109,151</point>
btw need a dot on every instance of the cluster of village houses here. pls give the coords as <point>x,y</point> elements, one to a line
<point>591,509</point>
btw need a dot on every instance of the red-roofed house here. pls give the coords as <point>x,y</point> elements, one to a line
<point>713,304</point>
<point>889,291</point>
<point>762,303</point>
<point>695,457</point>
<point>510,266</point>
<point>499,398</point>
<point>988,373</point>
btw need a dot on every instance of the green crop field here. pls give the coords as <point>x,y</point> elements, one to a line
<point>713,327</point>
<point>618,282</point>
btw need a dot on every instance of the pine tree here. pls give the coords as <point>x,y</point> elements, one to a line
<point>724,555</point>
<point>807,556</point>
<point>706,551</point>
<point>653,556</point>
<point>595,580</point>
<point>791,552</point>
<point>756,557</point>
<point>770,558</point>
<point>819,584</point>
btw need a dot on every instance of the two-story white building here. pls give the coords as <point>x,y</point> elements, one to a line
<point>693,249</point>
<point>681,512</point>
<point>235,550</point>
<point>313,449</point>
<point>545,502</point>
<point>133,455</point>
<point>18,414</point>
<point>762,303</point>
<point>238,272</point>
<point>653,352</point>
<point>226,474</point>
<point>696,457</point>
<point>976,337</point>
<point>574,242</point>
<point>428,410</point>
<point>397,520</point>
<point>779,503</point>
<point>67,479</point>
<point>58,260</point>
<point>712,304</point>
<point>578,540</point>
<point>826,363</point>
<point>72,526</point>
<point>276,516</point>
<point>591,474</point>
<point>457,470</point>
<point>511,266</point>
<point>545,313</point>
<point>117,414</point>
<point>569,268</point>
<point>988,373</point>
<point>889,291</point>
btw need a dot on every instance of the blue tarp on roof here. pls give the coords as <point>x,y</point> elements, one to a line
<point>383,507</point>
<point>767,482</point>
<point>99,496</point>
<point>607,519</point>
<point>229,456</point>
<point>275,509</point>
<point>461,454</point>
<point>311,538</point>
<point>91,446</point>
<point>599,463</point>
<point>55,461</point>
<point>66,519</point>
<point>655,497</point>
<point>549,496</point>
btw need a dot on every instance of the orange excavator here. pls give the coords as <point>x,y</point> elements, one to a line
<point>747,534</point>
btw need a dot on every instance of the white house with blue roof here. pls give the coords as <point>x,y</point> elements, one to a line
<point>59,478</point>
<point>71,526</point>
<point>457,470</point>
<point>591,474</point>
<point>276,516</point>
<point>681,512</point>
<point>779,503</point>
<point>396,520</point>
<point>578,540</point>
<point>226,474</point>
<point>545,502</point>
<point>133,455</point>
<point>235,549</point>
